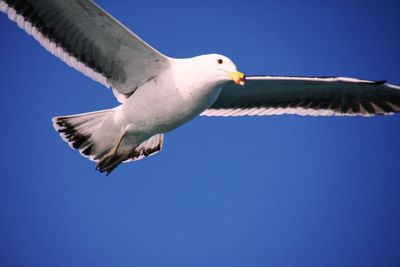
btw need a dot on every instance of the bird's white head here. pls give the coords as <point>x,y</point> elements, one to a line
<point>221,68</point>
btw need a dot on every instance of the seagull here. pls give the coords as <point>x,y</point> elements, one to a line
<point>160,93</point>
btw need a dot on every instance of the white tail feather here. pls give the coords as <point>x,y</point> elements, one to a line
<point>85,132</point>
<point>77,130</point>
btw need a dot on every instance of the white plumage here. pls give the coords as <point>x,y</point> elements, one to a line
<point>159,93</point>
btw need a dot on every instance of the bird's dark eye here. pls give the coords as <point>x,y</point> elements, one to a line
<point>220,61</point>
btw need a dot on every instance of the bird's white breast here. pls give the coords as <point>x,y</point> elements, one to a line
<point>167,101</point>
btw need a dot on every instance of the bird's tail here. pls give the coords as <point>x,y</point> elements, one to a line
<point>79,130</point>
<point>106,146</point>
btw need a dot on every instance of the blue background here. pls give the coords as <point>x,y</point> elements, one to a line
<point>259,191</point>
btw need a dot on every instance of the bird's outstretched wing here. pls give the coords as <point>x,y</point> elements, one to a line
<point>87,38</point>
<point>273,95</point>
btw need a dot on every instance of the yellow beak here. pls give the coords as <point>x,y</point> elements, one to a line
<point>237,77</point>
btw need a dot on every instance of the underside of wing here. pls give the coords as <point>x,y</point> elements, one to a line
<point>318,96</point>
<point>85,37</point>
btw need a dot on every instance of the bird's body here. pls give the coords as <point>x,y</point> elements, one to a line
<point>170,99</point>
<point>178,94</point>
<point>159,93</point>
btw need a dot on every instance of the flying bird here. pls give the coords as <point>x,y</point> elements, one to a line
<point>160,93</point>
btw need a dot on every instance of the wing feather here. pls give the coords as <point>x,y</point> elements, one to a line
<point>88,39</point>
<point>315,96</point>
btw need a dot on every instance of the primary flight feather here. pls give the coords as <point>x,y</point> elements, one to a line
<point>159,93</point>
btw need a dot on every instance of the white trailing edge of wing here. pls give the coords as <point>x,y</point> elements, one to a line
<point>51,46</point>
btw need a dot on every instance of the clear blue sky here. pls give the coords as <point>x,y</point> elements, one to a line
<point>266,191</point>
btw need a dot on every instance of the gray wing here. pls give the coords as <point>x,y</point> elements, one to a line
<point>87,38</point>
<point>269,95</point>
